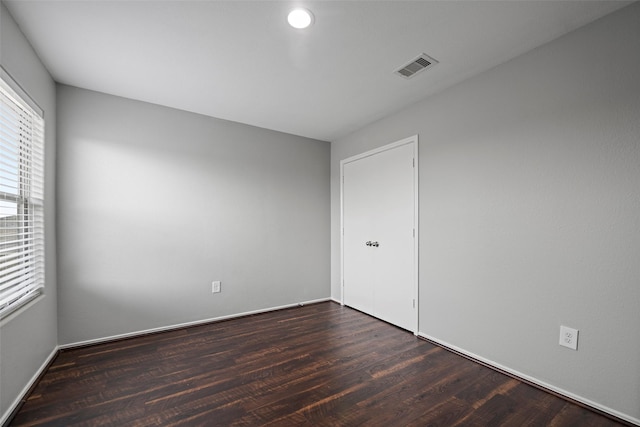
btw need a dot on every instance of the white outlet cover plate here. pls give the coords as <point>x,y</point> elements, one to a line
<point>215,287</point>
<point>569,337</point>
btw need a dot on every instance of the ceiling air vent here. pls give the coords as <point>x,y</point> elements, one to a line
<point>419,64</point>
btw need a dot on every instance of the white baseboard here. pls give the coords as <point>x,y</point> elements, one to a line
<point>184,325</point>
<point>23,394</point>
<point>533,380</point>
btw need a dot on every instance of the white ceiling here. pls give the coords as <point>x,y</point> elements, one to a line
<point>240,61</point>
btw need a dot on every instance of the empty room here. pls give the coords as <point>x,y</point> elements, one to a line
<point>327,213</point>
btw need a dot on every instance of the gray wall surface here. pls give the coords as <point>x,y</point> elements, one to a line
<point>530,211</point>
<point>156,203</point>
<point>29,336</point>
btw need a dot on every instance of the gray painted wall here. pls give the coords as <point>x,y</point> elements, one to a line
<point>155,203</point>
<point>530,211</point>
<point>29,336</point>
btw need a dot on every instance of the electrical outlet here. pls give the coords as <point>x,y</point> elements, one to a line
<point>215,287</point>
<point>569,337</point>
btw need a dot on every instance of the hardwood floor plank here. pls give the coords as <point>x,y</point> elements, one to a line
<point>317,365</point>
<point>540,413</point>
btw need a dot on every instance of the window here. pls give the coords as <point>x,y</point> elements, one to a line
<point>21,198</point>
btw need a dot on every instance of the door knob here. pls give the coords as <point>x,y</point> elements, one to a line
<point>375,244</point>
<point>369,243</point>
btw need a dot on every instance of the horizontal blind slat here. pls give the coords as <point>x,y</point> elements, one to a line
<point>27,277</point>
<point>26,296</point>
<point>15,294</point>
<point>15,267</point>
<point>19,261</point>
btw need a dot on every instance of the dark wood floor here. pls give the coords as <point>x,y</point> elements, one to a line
<point>320,365</point>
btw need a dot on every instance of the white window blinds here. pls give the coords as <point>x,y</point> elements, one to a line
<point>21,200</point>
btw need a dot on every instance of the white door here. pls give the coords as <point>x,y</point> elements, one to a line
<point>379,249</point>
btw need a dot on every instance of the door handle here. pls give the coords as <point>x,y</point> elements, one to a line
<point>369,243</point>
<point>375,244</point>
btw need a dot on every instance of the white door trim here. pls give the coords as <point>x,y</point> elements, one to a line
<point>410,140</point>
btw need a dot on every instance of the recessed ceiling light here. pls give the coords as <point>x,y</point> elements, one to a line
<point>300,18</point>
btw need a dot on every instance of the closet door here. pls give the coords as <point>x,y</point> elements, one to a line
<point>378,210</point>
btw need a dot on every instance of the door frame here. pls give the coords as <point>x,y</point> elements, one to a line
<point>410,140</point>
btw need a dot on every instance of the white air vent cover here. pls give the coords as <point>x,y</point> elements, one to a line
<point>419,64</point>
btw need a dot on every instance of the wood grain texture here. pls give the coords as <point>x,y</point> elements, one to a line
<point>318,365</point>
